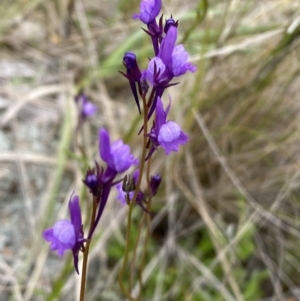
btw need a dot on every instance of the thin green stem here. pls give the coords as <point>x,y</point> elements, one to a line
<point>132,203</point>
<point>120,278</point>
<point>86,254</point>
<point>148,231</point>
<point>136,244</point>
<point>144,213</point>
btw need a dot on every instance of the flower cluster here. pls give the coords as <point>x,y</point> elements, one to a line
<point>68,235</point>
<point>169,61</point>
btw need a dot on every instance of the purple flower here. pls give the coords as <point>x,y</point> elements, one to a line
<point>67,235</point>
<point>157,73</point>
<point>174,57</point>
<point>179,64</point>
<point>166,134</point>
<point>117,154</point>
<point>86,108</point>
<point>149,10</point>
<point>170,62</point>
<point>118,158</point>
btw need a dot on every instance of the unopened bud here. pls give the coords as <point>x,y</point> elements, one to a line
<point>128,184</point>
<point>155,183</point>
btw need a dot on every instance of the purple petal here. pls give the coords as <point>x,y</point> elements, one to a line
<point>179,61</point>
<point>104,146</point>
<point>170,137</point>
<point>149,10</point>
<point>61,236</point>
<point>136,16</point>
<point>48,234</point>
<point>155,64</point>
<point>161,115</point>
<point>88,109</point>
<point>116,155</point>
<point>167,46</point>
<point>75,214</point>
<point>121,194</point>
<point>121,157</point>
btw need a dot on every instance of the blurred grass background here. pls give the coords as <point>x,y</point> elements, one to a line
<point>226,224</point>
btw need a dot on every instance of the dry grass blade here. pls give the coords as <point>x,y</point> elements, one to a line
<point>11,278</point>
<point>32,158</point>
<point>207,275</point>
<point>35,94</point>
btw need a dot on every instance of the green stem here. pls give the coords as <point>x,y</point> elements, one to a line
<point>148,231</point>
<point>136,244</point>
<point>120,278</point>
<point>132,203</point>
<point>86,254</point>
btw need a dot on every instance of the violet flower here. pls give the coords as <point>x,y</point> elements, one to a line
<point>174,57</point>
<point>86,108</point>
<point>166,134</point>
<point>149,10</point>
<point>67,235</point>
<point>171,61</point>
<point>117,154</point>
<point>118,158</point>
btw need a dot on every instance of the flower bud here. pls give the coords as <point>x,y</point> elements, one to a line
<point>155,183</point>
<point>128,184</point>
